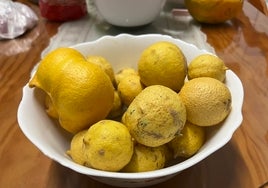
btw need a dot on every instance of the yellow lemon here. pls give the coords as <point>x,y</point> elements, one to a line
<point>129,87</point>
<point>77,148</point>
<point>117,109</point>
<point>104,64</point>
<point>49,67</point>
<point>123,73</point>
<point>169,159</point>
<point>50,109</point>
<point>146,159</point>
<point>73,85</point>
<point>207,100</point>
<point>207,65</point>
<point>163,63</point>
<point>108,145</point>
<point>155,116</point>
<point>189,141</point>
<point>213,11</point>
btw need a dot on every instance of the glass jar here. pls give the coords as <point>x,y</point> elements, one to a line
<point>62,10</point>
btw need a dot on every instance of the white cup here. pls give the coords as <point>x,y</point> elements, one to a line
<point>129,13</point>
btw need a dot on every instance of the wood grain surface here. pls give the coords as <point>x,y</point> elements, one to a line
<point>242,163</point>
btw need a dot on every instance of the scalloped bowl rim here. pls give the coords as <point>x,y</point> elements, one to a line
<point>63,159</point>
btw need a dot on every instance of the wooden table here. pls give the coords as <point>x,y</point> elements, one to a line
<point>242,163</point>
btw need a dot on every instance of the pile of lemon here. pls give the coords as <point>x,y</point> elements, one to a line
<point>134,120</point>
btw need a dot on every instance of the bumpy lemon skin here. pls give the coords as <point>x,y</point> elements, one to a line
<point>146,159</point>
<point>108,145</point>
<point>189,141</point>
<point>208,101</point>
<point>119,76</point>
<point>213,11</point>
<point>207,65</point>
<point>129,88</point>
<point>155,116</point>
<point>77,148</point>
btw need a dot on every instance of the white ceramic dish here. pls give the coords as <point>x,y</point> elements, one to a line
<point>123,51</point>
<point>129,13</point>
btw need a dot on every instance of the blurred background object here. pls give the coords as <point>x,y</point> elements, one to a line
<point>129,13</point>
<point>213,11</point>
<point>62,10</point>
<point>15,19</point>
<point>34,1</point>
<point>261,5</point>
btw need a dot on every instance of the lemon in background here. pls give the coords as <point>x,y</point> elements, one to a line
<point>213,11</point>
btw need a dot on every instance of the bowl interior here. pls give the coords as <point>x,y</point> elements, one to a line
<point>122,51</point>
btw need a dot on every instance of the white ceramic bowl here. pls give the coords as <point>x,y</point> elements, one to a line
<point>123,51</point>
<point>129,13</point>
